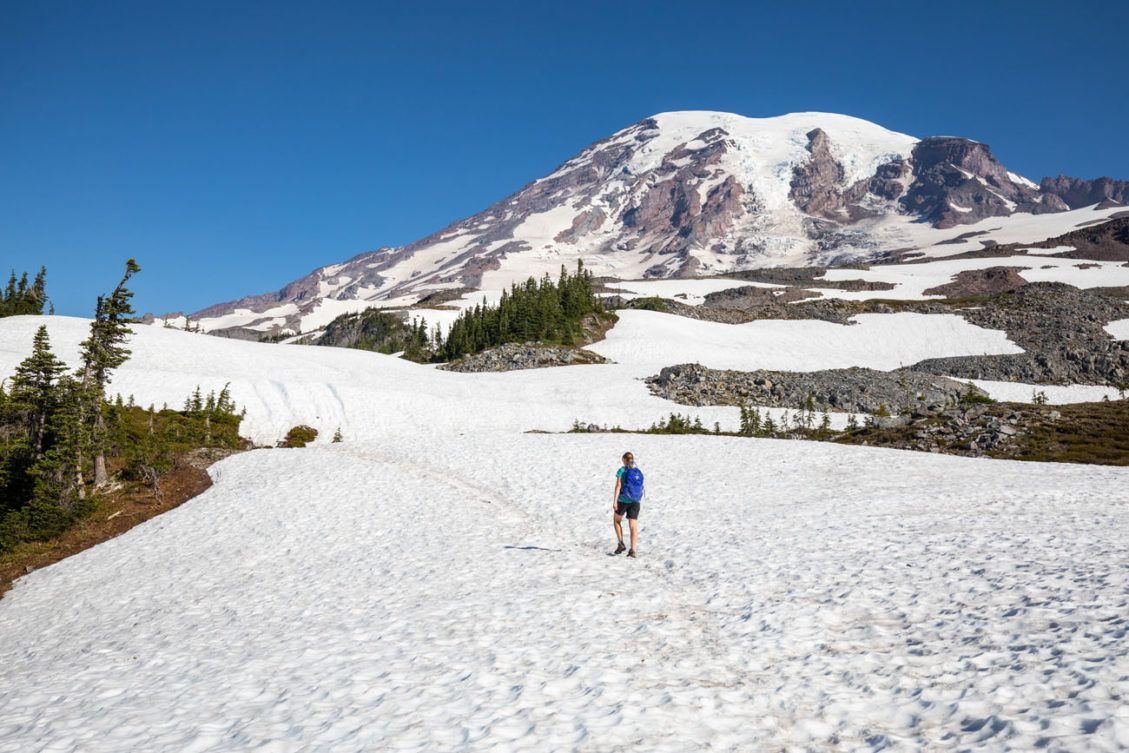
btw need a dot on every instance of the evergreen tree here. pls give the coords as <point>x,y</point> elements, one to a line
<point>34,395</point>
<point>103,352</point>
<point>20,297</point>
<point>57,497</point>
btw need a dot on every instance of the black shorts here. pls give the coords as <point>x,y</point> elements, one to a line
<point>630,509</point>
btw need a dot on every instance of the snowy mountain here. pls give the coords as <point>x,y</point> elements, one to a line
<point>692,193</point>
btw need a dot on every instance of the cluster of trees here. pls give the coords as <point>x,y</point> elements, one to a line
<point>802,423</point>
<point>379,331</point>
<point>59,435</point>
<point>21,297</point>
<point>538,311</point>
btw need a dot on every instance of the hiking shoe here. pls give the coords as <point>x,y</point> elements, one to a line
<point>631,553</point>
<point>620,548</point>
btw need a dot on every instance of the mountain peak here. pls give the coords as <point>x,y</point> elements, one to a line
<point>683,193</point>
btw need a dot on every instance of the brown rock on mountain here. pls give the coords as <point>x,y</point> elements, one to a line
<point>1076,192</point>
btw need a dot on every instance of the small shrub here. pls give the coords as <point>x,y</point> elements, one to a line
<point>299,436</point>
<point>650,303</point>
<point>975,397</point>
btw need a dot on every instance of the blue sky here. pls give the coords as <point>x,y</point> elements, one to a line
<point>232,147</point>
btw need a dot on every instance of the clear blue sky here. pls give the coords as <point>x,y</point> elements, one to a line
<point>232,147</point>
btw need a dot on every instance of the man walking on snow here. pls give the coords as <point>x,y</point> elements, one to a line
<point>626,500</point>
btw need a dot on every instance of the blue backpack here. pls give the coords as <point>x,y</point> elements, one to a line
<point>631,485</point>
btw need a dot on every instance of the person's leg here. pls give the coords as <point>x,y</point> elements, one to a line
<point>634,525</point>
<point>617,521</point>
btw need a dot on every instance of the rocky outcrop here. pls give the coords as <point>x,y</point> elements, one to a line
<point>515,357</point>
<point>1108,241</point>
<point>958,181</point>
<point>672,215</point>
<point>1076,192</point>
<point>1061,330</point>
<point>817,183</point>
<point>977,429</point>
<point>846,390</point>
<point>979,282</point>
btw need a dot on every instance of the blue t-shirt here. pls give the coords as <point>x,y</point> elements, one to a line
<point>623,499</point>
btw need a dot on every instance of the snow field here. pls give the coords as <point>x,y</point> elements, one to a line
<point>1118,329</point>
<point>1018,392</point>
<point>455,594</point>
<point>879,341</point>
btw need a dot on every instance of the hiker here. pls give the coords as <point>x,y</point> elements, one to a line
<point>625,501</point>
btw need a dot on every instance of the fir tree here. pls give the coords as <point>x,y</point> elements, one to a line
<point>34,395</point>
<point>103,352</point>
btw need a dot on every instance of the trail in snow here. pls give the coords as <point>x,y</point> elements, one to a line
<point>457,595</point>
<point>440,581</point>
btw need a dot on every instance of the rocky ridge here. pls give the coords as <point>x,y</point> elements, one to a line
<point>854,390</point>
<point>518,356</point>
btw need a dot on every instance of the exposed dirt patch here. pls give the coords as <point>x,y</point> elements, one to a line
<point>116,513</point>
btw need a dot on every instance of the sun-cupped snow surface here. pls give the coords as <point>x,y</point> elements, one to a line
<point>365,394</point>
<point>879,341</point>
<point>455,593</point>
<point>1118,329</point>
<point>912,280</point>
<point>368,394</point>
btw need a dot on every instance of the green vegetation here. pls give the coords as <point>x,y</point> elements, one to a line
<point>649,303</point>
<point>60,439</point>
<point>1079,433</point>
<point>545,311</point>
<point>21,297</point>
<point>801,424</point>
<point>299,436</point>
<point>975,397</point>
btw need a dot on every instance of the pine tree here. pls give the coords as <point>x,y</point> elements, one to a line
<point>34,395</point>
<point>103,352</point>
<point>57,496</point>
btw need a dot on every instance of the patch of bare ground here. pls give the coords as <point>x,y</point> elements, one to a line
<point>115,513</point>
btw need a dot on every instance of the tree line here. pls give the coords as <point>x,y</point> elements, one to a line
<point>21,297</point>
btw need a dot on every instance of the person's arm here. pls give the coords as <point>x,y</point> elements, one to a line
<point>615,495</point>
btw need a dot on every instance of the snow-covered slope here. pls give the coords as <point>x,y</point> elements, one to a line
<point>690,193</point>
<point>439,581</point>
<point>370,395</point>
